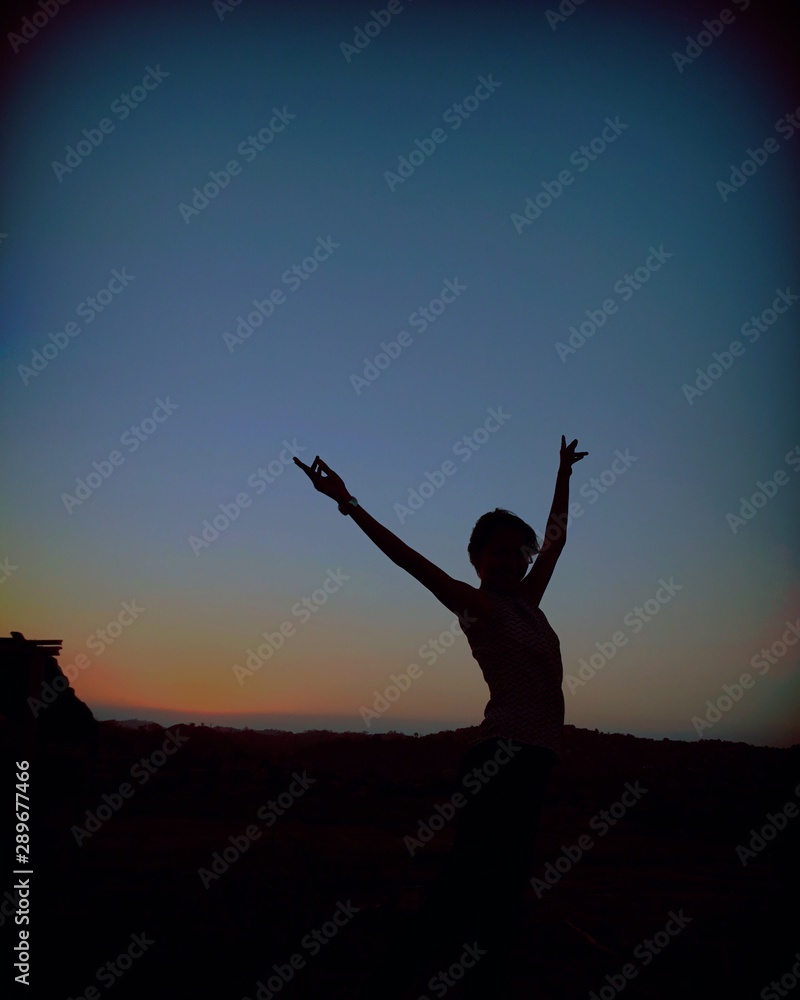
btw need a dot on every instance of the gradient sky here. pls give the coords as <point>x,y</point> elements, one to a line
<point>161,337</point>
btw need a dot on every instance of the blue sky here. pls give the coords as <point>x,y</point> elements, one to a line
<point>647,206</point>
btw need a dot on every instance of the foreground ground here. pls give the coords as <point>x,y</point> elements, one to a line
<point>334,844</point>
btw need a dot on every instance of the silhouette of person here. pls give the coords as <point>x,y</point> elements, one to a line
<point>478,899</point>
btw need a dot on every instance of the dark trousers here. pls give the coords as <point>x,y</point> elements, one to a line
<point>479,894</point>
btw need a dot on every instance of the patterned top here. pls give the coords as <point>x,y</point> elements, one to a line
<point>520,657</point>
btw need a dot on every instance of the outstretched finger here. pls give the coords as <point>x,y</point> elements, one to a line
<point>312,473</point>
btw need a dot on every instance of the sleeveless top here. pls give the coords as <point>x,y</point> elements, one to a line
<point>520,657</point>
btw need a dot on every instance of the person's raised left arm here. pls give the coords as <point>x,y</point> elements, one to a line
<point>555,534</point>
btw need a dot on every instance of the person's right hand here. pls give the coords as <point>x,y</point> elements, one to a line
<point>331,485</point>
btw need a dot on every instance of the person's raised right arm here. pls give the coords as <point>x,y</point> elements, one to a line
<point>459,597</point>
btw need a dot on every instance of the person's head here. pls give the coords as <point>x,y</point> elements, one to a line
<point>501,548</point>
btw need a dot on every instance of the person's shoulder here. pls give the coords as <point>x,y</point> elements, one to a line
<point>484,612</point>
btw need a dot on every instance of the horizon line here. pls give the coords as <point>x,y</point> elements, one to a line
<point>406,727</point>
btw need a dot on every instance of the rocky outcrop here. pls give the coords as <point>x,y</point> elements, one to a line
<point>38,708</point>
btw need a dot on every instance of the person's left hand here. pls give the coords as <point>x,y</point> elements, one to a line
<point>568,454</point>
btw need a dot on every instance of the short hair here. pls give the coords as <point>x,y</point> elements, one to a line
<point>488,524</point>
